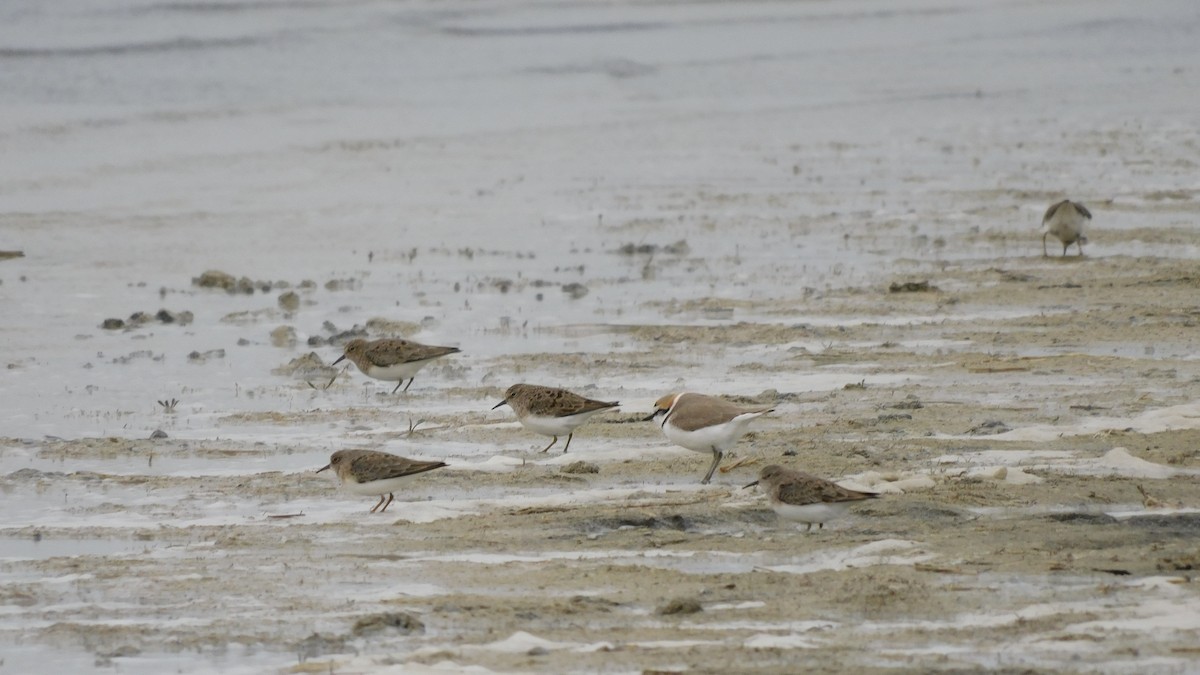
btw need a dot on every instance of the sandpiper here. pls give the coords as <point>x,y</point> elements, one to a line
<point>803,498</point>
<point>551,411</point>
<point>1065,220</point>
<point>369,472</point>
<point>704,423</point>
<point>392,359</point>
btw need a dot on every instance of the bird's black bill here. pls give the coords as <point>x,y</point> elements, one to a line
<point>499,404</point>
<point>651,416</point>
<point>750,485</point>
<point>323,468</point>
<point>339,360</point>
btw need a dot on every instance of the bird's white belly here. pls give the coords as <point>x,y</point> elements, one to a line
<point>555,426</point>
<point>398,372</point>
<point>810,513</point>
<point>723,436</point>
<point>376,487</point>
<point>1066,227</point>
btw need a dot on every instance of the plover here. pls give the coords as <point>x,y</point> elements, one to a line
<point>803,498</point>
<point>1066,220</point>
<point>369,472</point>
<point>551,411</point>
<point>391,359</point>
<point>704,423</point>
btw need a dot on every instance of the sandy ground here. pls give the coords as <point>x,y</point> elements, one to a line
<point>981,568</point>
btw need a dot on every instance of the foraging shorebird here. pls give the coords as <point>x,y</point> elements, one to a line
<point>392,360</point>
<point>369,472</point>
<point>1066,220</point>
<point>551,411</point>
<point>803,498</point>
<point>704,423</point>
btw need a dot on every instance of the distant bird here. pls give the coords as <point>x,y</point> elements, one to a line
<point>551,411</point>
<point>1066,220</point>
<point>704,423</point>
<point>803,498</point>
<point>369,472</point>
<point>392,360</point>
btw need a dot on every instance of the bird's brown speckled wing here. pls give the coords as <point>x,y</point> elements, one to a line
<point>371,466</point>
<point>385,353</point>
<point>553,402</point>
<point>1054,209</point>
<point>803,488</point>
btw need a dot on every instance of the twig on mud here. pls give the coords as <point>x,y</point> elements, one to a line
<point>330,382</point>
<point>412,426</point>
<point>1150,502</point>
<point>741,462</point>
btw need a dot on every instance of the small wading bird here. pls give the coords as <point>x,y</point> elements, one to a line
<point>550,411</point>
<point>369,472</point>
<point>803,498</point>
<point>1066,221</point>
<point>391,359</point>
<point>704,423</point>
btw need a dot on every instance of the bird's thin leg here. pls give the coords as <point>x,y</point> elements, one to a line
<point>409,382</point>
<point>398,386</point>
<point>1065,247</point>
<point>1079,243</point>
<point>569,436</point>
<point>1045,254</point>
<point>373,508</point>
<point>717,455</point>
<point>551,444</point>
<point>389,501</point>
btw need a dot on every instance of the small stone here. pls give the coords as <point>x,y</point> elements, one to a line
<point>911,287</point>
<point>215,279</point>
<point>112,324</point>
<point>284,336</point>
<point>158,433</point>
<point>988,428</point>
<point>580,466</point>
<point>680,606</point>
<point>306,367</point>
<point>199,357</point>
<point>343,285</point>
<point>289,301</point>
<point>405,624</point>
<point>575,289</point>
